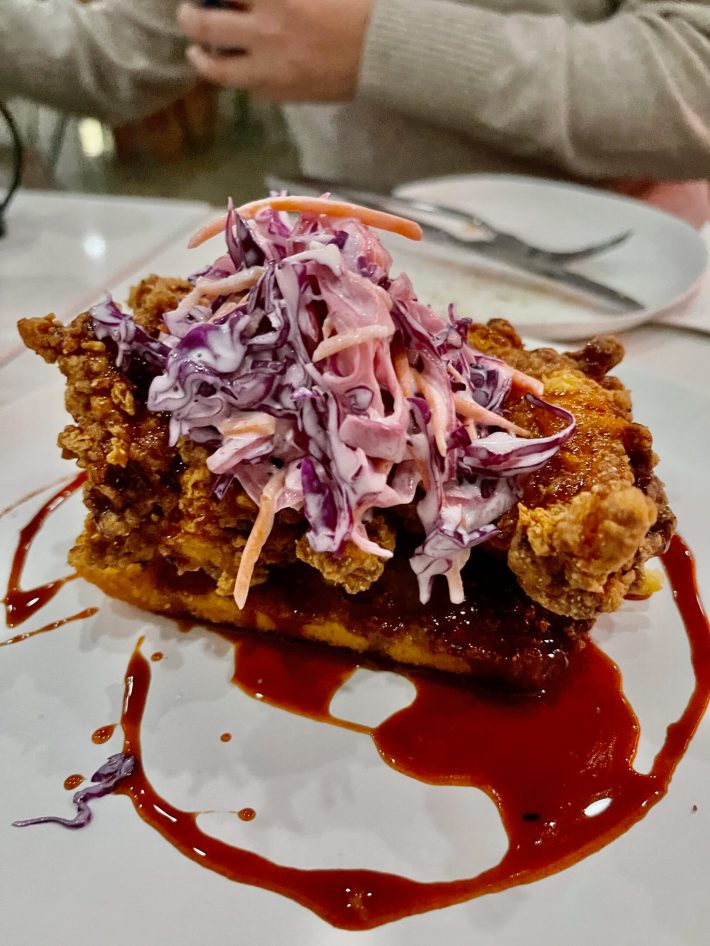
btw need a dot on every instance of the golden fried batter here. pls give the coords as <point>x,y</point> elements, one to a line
<point>355,570</point>
<point>593,515</point>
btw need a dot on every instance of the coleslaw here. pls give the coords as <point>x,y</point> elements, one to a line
<point>320,383</point>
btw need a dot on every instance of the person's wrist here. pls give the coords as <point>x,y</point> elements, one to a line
<point>360,14</point>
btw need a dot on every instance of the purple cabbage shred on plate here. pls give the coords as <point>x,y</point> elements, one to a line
<point>104,781</point>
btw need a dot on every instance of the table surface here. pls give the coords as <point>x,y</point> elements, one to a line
<point>62,251</point>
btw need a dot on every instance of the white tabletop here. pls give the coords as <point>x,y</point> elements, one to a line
<point>62,251</point>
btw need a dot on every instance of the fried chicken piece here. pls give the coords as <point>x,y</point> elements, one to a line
<point>354,569</point>
<point>140,506</point>
<point>592,516</point>
<point>143,498</point>
<point>153,297</point>
<point>582,552</point>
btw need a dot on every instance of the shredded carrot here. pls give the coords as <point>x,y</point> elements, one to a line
<point>470,426</point>
<point>423,471</point>
<point>249,422</point>
<point>403,371</point>
<point>315,205</point>
<point>260,531</point>
<point>438,411</point>
<point>523,382</point>
<point>455,582</point>
<point>225,309</point>
<point>211,288</point>
<point>227,285</point>
<point>337,343</point>
<point>456,375</point>
<point>482,415</point>
<point>207,231</point>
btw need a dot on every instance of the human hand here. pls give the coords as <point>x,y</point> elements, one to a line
<point>282,50</point>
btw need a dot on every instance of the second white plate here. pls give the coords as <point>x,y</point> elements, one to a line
<point>660,264</point>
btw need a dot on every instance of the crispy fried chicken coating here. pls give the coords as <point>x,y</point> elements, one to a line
<point>145,500</point>
<point>591,517</point>
<point>355,570</point>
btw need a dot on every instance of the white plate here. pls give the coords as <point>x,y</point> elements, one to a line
<point>322,795</point>
<point>660,264</point>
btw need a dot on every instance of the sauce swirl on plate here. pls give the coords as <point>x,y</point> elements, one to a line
<point>21,604</point>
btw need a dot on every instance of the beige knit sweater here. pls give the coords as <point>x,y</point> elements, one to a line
<point>115,59</point>
<point>592,89</point>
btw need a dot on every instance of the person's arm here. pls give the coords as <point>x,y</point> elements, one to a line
<point>625,96</point>
<point>115,59</point>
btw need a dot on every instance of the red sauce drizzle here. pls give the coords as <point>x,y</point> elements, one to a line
<point>103,734</point>
<point>226,737</point>
<point>543,760</point>
<point>28,496</point>
<point>21,604</point>
<point>52,626</point>
<point>73,781</point>
<point>246,814</point>
<point>157,656</point>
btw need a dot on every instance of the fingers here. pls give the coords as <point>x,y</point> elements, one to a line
<point>219,29</point>
<point>281,50</point>
<point>235,70</point>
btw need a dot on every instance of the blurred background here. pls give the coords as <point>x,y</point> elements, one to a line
<point>206,145</point>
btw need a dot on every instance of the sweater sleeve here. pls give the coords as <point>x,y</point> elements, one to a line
<point>627,96</point>
<point>115,59</point>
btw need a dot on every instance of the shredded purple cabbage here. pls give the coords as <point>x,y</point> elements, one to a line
<point>130,339</point>
<point>105,780</point>
<point>317,375</point>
